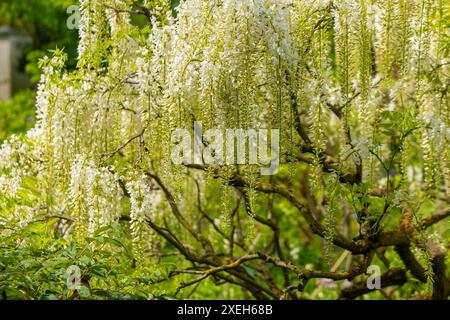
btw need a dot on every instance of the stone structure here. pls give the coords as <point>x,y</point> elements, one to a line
<point>12,78</point>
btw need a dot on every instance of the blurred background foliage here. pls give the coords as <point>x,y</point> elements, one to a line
<point>17,114</point>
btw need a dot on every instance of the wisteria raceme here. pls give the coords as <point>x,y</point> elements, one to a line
<point>77,196</point>
<point>144,206</point>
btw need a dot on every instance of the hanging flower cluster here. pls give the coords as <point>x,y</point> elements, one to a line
<point>144,206</point>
